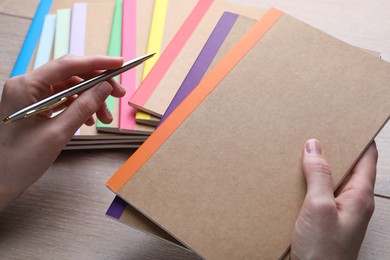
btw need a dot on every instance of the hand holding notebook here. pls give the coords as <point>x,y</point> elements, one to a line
<point>333,226</point>
<point>232,185</point>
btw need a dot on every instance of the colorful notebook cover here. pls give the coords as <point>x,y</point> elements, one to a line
<point>150,31</point>
<point>154,44</point>
<point>158,89</point>
<point>62,33</point>
<point>46,40</point>
<point>97,8</point>
<point>77,29</point>
<point>97,36</point>
<point>31,39</point>
<point>108,141</point>
<point>103,9</point>
<point>124,39</point>
<point>114,49</point>
<point>135,28</point>
<point>230,28</point>
<point>62,37</point>
<point>99,145</point>
<point>60,4</point>
<point>128,78</point>
<point>169,55</point>
<point>55,6</point>
<point>214,181</point>
<point>120,210</point>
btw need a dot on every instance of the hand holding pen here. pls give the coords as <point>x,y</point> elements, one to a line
<point>29,146</point>
<point>61,97</point>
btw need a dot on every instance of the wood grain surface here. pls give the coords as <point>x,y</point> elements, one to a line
<point>20,8</point>
<point>62,215</point>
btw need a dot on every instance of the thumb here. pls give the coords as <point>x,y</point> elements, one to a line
<point>317,172</point>
<point>83,107</point>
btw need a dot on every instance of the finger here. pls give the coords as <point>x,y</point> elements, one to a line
<point>362,176</point>
<point>104,115</point>
<point>117,89</point>
<point>94,73</point>
<point>82,108</point>
<point>90,74</point>
<point>90,121</point>
<point>64,105</point>
<point>317,172</point>
<point>62,85</point>
<point>69,65</point>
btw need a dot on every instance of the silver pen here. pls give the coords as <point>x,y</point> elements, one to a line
<point>61,97</point>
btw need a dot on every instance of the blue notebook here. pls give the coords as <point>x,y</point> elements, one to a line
<point>32,38</point>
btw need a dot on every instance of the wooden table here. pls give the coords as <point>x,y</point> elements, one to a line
<point>62,215</point>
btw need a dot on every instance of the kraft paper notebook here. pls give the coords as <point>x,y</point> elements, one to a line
<point>165,24</point>
<point>97,36</point>
<point>142,22</point>
<point>233,27</point>
<point>126,214</point>
<point>154,42</point>
<point>159,87</point>
<point>229,30</point>
<point>96,41</point>
<point>77,29</point>
<point>123,42</point>
<point>88,146</point>
<point>31,40</point>
<point>44,7</point>
<point>222,172</point>
<point>130,139</point>
<point>46,39</point>
<point>62,33</point>
<point>114,49</point>
<point>45,49</point>
<point>76,32</point>
<point>150,23</point>
<point>128,51</point>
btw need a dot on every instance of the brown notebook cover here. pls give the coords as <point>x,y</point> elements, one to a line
<point>222,173</point>
<point>129,215</point>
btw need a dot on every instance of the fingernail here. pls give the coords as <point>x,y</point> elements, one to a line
<point>109,114</point>
<point>313,146</point>
<point>123,89</point>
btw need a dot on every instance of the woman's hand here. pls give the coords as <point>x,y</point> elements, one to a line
<point>29,146</point>
<point>333,226</point>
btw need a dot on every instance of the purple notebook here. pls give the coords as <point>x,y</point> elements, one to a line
<point>193,78</point>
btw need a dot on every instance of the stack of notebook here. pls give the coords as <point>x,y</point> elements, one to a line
<point>221,174</point>
<point>230,99</point>
<point>127,28</point>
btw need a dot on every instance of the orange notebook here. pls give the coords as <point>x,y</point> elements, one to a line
<point>222,173</point>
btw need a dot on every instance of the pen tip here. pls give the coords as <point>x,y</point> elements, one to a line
<point>6,120</point>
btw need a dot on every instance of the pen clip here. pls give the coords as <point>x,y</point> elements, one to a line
<point>46,108</point>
